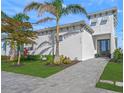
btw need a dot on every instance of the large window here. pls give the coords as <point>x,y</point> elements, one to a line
<point>103,22</point>
<point>93,23</point>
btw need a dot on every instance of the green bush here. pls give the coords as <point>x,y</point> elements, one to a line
<point>31,57</point>
<point>118,56</point>
<point>49,59</point>
<point>97,55</point>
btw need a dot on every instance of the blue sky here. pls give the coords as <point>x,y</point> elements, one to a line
<point>12,7</point>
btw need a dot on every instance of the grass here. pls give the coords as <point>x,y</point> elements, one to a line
<point>109,87</point>
<point>31,68</point>
<point>113,72</point>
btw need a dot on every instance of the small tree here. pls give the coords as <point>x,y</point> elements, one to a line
<point>22,18</point>
<point>19,33</point>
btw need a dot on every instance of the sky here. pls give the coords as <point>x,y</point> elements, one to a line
<point>12,7</point>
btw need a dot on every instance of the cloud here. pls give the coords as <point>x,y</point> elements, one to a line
<point>113,0</point>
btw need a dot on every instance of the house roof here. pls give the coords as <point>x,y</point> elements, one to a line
<point>86,26</point>
<point>111,11</point>
<point>105,11</point>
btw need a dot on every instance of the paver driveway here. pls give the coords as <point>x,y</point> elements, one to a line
<point>79,78</point>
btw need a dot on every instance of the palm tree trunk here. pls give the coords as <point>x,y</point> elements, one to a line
<point>57,43</point>
<point>19,56</point>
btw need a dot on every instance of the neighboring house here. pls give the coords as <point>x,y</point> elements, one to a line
<point>5,47</point>
<point>79,40</point>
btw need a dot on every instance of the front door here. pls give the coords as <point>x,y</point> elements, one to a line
<point>103,47</point>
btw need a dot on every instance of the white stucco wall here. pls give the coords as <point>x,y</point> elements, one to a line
<point>88,49</point>
<point>44,48</point>
<point>102,29</point>
<point>72,47</point>
<point>113,35</point>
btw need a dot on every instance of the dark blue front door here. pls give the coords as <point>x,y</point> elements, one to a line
<point>103,47</point>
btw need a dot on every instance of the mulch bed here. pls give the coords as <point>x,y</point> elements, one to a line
<point>65,65</point>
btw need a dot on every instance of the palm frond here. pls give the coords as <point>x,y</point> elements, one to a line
<point>46,8</point>
<point>74,9</point>
<point>44,20</point>
<point>40,8</point>
<point>31,6</point>
<point>21,17</point>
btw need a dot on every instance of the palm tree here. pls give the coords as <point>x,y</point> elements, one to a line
<point>16,34</point>
<point>55,7</point>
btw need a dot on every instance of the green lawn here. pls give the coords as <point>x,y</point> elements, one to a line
<point>31,68</point>
<point>113,72</point>
<point>109,87</point>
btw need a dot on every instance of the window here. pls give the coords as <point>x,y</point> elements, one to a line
<point>103,22</point>
<point>46,32</point>
<point>67,28</point>
<point>43,33</point>
<point>93,23</point>
<point>30,47</point>
<point>60,38</point>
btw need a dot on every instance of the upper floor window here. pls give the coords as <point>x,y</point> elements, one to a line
<point>103,22</point>
<point>93,23</point>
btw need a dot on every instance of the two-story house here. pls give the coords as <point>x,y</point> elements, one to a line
<point>80,40</point>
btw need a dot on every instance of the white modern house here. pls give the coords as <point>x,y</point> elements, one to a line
<point>80,40</point>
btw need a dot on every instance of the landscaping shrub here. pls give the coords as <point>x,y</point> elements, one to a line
<point>62,58</point>
<point>117,56</point>
<point>30,57</point>
<point>49,59</point>
<point>67,60</point>
<point>97,55</point>
<point>57,62</point>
